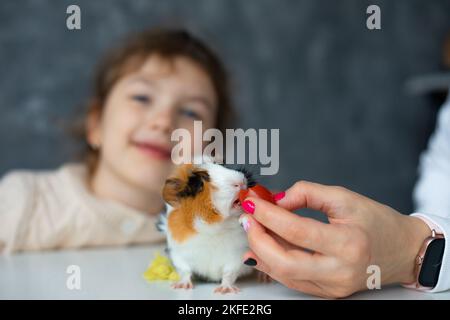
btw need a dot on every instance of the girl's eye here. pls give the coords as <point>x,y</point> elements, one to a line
<point>190,114</point>
<point>141,98</point>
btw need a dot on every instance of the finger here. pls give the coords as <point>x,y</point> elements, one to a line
<point>300,231</point>
<point>276,259</point>
<point>304,194</point>
<point>263,277</point>
<point>285,244</point>
<point>304,286</point>
<point>282,242</point>
<point>251,259</point>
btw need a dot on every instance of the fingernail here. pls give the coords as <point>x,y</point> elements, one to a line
<point>250,262</point>
<point>245,223</point>
<point>248,206</point>
<point>279,196</point>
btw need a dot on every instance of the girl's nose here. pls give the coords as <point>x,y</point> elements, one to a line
<point>161,120</point>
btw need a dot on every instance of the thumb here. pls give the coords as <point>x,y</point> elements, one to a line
<point>315,196</point>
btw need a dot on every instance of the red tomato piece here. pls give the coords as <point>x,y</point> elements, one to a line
<point>256,191</point>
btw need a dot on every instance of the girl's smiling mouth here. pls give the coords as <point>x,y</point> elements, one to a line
<point>154,150</point>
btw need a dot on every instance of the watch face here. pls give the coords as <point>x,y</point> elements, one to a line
<point>431,266</point>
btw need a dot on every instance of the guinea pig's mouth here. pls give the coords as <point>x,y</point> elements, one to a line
<point>236,203</point>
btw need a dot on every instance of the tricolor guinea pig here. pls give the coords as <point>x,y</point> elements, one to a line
<point>201,223</point>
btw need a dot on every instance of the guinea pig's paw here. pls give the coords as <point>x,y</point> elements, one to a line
<point>226,289</point>
<point>183,285</point>
<point>263,277</point>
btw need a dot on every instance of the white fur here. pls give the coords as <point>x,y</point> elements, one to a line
<point>213,252</point>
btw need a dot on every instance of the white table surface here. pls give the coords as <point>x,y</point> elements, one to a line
<point>116,273</point>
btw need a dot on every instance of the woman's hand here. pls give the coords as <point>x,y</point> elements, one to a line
<point>361,232</point>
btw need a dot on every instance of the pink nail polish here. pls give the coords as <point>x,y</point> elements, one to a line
<point>248,206</point>
<point>279,196</point>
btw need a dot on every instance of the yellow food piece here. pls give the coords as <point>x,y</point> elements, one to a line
<point>161,269</point>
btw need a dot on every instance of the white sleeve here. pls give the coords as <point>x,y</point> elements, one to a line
<point>432,191</point>
<point>15,201</point>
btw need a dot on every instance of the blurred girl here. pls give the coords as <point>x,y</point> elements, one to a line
<point>155,82</point>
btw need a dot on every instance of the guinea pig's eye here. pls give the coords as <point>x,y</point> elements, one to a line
<point>251,181</point>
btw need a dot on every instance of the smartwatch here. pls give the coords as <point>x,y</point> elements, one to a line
<point>428,262</point>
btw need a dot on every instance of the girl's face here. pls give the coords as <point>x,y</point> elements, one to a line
<point>140,113</point>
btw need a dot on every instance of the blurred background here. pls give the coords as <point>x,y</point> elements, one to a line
<point>348,100</point>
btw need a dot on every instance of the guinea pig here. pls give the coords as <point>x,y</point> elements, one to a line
<point>201,223</point>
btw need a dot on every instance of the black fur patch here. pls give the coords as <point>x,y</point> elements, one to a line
<point>195,184</point>
<point>251,182</point>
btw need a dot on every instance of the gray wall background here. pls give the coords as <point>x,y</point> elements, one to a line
<point>309,67</point>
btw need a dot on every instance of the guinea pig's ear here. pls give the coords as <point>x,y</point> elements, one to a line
<point>171,191</point>
<point>189,183</point>
<point>175,184</point>
<point>195,183</point>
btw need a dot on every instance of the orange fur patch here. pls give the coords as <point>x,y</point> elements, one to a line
<point>186,209</point>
